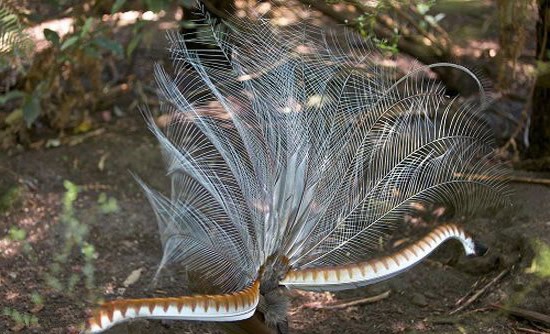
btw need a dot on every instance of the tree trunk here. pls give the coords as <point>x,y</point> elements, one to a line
<point>540,117</point>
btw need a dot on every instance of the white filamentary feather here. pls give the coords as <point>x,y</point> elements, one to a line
<point>295,146</point>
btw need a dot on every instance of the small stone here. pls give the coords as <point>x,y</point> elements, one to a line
<point>419,299</point>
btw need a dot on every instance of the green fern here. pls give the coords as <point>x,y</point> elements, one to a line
<point>14,42</point>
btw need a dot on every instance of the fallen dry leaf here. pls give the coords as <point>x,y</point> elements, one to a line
<point>133,277</point>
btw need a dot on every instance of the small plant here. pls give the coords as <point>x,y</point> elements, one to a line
<point>541,263</point>
<point>74,235</point>
<point>107,204</point>
<point>10,198</point>
<point>64,84</point>
<point>423,7</point>
<point>17,234</point>
<point>38,302</point>
<point>366,22</point>
<point>21,319</point>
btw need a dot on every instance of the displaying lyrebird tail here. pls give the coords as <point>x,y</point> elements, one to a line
<point>291,155</point>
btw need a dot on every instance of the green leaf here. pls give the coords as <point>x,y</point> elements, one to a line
<point>8,19</point>
<point>543,74</point>
<point>10,198</point>
<point>107,204</point>
<point>27,319</point>
<point>86,27</point>
<point>14,117</point>
<point>156,5</point>
<point>37,299</point>
<point>88,251</point>
<point>51,36</point>
<point>17,317</point>
<point>134,42</point>
<point>31,107</point>
<point>69,41</point>
<point>10,95</point>
<point>117,5</point>
<point>541,263</point>
<point>422,8</point>
<point>109,44</point>
<point>102,198</point>
<point>72,192</point>
<point>17,234</point>
<point>543,68</point>
<point>91,51</point>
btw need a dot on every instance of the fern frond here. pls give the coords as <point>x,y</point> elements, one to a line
<point>13,39</point>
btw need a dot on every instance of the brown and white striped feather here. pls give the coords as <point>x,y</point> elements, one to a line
<point>227,307</point>
<point>369,272</point>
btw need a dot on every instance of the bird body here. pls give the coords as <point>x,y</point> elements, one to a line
<point>290,158</point>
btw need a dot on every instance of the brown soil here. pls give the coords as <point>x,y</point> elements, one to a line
<point>420,300</point>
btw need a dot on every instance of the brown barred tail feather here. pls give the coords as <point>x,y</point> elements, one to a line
<point>375,270</point>
<point>234,306</point>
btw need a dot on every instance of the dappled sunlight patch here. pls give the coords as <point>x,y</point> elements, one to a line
<point>477,48</point>
<point>281,14</point>
<point>11,295</point>
<point>45,250</point>
<point>62,27</point>
<point>8,248</point>
<point>540,265</point>
<point>399,327</point>
<point>311,299</point>
<point>32,223</point>
<point>132,16</point>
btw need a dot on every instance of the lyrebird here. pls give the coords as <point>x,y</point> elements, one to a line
<point>291,154</point>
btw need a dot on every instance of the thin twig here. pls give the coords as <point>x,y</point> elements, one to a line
<point>511,178</point>
<point>525,314</point>
<point>361,301</point>
<point>479,292</point>
<point>461,300</point>
<point>525,179</point>
<point>527,330</point>
<point>442,45</point>
<point>434,25</point>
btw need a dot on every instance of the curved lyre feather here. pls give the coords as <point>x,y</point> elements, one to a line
<point>369,272</point>
<point>235,306</point>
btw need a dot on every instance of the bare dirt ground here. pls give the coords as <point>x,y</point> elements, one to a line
<point>34,235</point>
<point>126,240</point>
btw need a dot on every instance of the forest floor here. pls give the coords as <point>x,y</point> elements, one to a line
<point>62,248</point>
<point>124,234</point>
